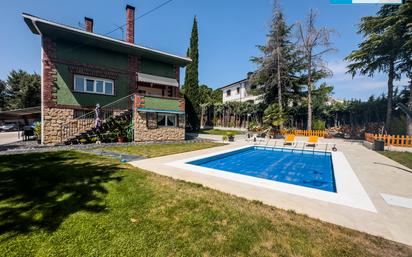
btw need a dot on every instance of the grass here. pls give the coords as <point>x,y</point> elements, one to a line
<point>404,158</point>
<point>76,204</point>
<point>156,150</point>
<point>219,132</point>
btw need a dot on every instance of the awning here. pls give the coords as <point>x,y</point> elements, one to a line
<point>159,111</point>
<point>17,113</point>
<point>142,77</point>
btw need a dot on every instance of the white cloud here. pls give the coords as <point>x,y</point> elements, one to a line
<point>358,86</point>
<point>337,67</point>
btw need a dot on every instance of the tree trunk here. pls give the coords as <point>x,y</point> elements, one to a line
<point>279,84</point>
<point>309,125</point>
<point>409,119</point>
<point>202,113</point>
<point>391,77</point>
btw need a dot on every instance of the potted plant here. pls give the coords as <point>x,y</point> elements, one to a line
<point>231,136</point>
<point>37,131</point>
<point>118,132</point>
<point>224,138</point>
<point>121,130</point>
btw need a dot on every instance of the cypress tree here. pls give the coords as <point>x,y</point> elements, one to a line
<point>191,86</point>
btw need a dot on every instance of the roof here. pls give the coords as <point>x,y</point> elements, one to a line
<point>20,112</point>
<point>55,30</point>
<point>231,84</point>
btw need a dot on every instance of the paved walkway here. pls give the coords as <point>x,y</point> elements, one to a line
<point>376,173</point>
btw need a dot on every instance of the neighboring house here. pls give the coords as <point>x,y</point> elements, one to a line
<point>240,91</point>
<point>81,68</point>
<point>331,101</point>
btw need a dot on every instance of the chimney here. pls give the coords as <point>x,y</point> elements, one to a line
<point>130,24</point>
<point>88,22</point>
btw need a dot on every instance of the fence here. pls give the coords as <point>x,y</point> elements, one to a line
<point>319,133</point>
<point>405,141</point>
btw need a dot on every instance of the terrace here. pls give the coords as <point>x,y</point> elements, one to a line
<point>77,203</point>
<point>365,210</point>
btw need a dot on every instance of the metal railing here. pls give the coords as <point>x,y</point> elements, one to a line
<point>87,121</point>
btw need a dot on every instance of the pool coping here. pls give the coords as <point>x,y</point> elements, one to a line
<point>350,191</point>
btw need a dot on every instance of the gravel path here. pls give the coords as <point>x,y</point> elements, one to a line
<point>33,147</point>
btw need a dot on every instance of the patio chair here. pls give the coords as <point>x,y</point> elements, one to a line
<point>289,140</point>
<point>312,141</point>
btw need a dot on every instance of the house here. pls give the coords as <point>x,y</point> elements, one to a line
<point>240,91</point>
<point>81,69</point>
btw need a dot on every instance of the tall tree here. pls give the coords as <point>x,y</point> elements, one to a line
<point>23,90</point>
<point>404,26</point>
<point>191,86</point>
<point>379,51</point>
<point>275,65</point>
<point>314,43</point>
<point>3,95</point>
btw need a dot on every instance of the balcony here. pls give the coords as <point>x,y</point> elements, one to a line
<point>145,103</point>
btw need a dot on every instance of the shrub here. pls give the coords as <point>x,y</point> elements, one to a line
<point>318,124</point>
<point>37,130</point>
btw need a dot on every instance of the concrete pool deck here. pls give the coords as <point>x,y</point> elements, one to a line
<point>376,173</point>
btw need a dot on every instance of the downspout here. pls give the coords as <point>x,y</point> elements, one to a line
<point>41,84</point>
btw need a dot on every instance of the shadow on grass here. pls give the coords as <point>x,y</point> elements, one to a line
<point>39,191</point>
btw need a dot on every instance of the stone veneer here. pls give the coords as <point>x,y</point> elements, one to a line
<point>53,119</point>
<point>143,133</point>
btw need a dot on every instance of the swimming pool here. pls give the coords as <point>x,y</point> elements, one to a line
<point>250,170</point>
<point>302,168</point>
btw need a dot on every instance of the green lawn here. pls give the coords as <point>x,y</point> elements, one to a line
<point>156,150</point>
<point>218,132</point>
<point>78,204</point>
<point>404,158</point>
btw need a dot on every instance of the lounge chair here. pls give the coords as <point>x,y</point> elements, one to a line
<point>289,140</point>
<point>312,141</point>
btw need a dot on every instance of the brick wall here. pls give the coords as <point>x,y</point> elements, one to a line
<point>133,68</point>
<point>49,73</point>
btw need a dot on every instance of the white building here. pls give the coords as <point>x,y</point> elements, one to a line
<point>240,91</point>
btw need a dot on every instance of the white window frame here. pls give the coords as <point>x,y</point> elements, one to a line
<point>95,79</point>
<point>167,115</point>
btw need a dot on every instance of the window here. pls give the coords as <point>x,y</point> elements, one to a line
<point>228,92</point>
<point>166,120</point>
<point>238,90</point>
<point>93,85</point>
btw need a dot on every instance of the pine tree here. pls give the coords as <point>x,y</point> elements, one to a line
<point>3,95</point>
<point>380,50</point>
<point>275,69</point>
<point>22,90</point>
<point>191,86</point>
<point>404,26</point>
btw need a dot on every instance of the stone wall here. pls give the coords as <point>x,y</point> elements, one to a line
<point>153,133</point>
<point>53,118</point>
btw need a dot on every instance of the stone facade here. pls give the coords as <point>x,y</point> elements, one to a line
<point>53,119</point>
<point>148,131</point>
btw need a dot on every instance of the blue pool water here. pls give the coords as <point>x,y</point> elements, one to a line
<point>308,169</point>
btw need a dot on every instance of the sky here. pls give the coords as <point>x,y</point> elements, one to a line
<point>229,31</point>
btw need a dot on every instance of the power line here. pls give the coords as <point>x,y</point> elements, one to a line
<point>141,16</point>
<point>121,27</point>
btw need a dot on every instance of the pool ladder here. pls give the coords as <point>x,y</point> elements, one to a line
<point>296,146</point>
